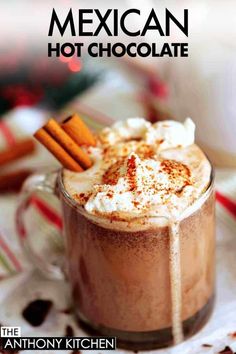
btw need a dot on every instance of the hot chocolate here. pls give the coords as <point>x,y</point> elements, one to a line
<point>140,233</point>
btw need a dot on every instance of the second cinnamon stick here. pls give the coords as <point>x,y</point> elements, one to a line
<point>57,150</point>
<point>20,149</point>
<point>54,129</point>
<point>78,131</point>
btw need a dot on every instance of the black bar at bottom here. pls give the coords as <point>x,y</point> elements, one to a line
<point>58,343</point>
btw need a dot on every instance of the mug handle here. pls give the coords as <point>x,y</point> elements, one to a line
<point>47,184</point>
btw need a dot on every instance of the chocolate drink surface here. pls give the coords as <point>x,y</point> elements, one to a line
<point>139,228</point>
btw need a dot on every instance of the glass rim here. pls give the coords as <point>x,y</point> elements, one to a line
<point>187,212</point>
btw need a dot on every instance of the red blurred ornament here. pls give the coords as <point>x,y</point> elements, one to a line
<point>157,87</point>
<point>21,95</point>
<point>75,65</point>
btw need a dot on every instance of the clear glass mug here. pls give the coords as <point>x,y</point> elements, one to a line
<point>148,282</point>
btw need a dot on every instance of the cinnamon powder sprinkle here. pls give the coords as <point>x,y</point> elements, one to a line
<point>178,174</point>
<point>142,149</point>
<point>131,172</point>
<point>83,197</point>
<point>177,171</point>
<point>145,151</point>
<point>110,194</point>
<point>111,176</point>
<point>175,168</point>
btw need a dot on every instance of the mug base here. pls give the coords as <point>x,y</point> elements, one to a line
<point>152,339</point>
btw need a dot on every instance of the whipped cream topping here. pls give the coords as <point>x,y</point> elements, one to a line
<point>141,169</point>
<point>168,134</point>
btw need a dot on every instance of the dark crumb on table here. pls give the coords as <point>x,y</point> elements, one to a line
<point>67,311</point>
<point>207,346</point>
<point>76,352</point>
<point>227,350</point>
<point>136,351</point>
<point>36,312</point>
<point>233,335</point>
<point>69,332</point>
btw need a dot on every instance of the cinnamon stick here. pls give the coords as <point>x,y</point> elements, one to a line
<point>12,181</point>
<point>20,149</point>
<point>54,129</point>
<point>78,131</point>
<point>57,150</point>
